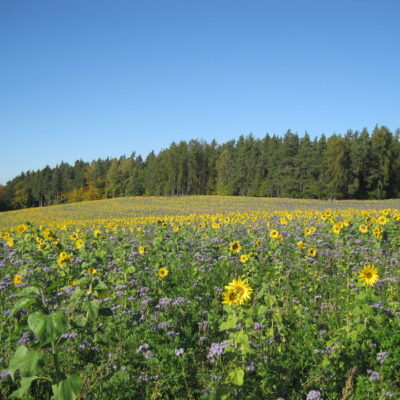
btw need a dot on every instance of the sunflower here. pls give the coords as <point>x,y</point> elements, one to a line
<point>369,275</point>
<point>382,220</point>
<point>10,242</point>
<point>237,292</point>
<point>92,271</point>
<point>312,251</point>
<point>142,249</point>
<point>244,258</point>
<point>97,233</point>
<point>235,246</point>
<point>300,244</point>
<point>42,246</point>
<point>63,259</point>
<point>274,234</point>
<point>17,280</point>
<point>22,228</point>
<point>163,272</point>
<point>310,230</point>
<point>79,243</point>
<point>363,228</point>
<point>378,232</point>
<point>337,228</point>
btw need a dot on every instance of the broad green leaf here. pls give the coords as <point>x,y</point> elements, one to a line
<point>261,310</point>
<point>68,389</point>
<point>28,291</point>
<point>236,376</point>
<point>22,303</point>
<point>100,285</point>
<point>77,293</point>
<point>92,308</point>
<point>48,327</point>
<point>29,363</point>
<point>130,270</point>
<point>230,324</point>
<point>25,384</point>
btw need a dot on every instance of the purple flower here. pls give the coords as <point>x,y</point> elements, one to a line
<point>179,352</point>
<point>216,349</point>
<point>142,347</point>
<point>373,375</point>
<point>25,338</point>
<point>381,357</point>
<point>314,395</point>
<point>4,373</point>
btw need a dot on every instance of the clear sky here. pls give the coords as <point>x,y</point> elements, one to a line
<point>88,79</point>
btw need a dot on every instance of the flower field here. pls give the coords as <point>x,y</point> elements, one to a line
<point>201,298</point>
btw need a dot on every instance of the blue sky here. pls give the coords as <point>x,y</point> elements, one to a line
<point>91,79</point>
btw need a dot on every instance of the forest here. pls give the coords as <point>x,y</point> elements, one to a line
<point>356,165</point>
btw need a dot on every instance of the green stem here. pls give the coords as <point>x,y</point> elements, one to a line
<point>55,359</point>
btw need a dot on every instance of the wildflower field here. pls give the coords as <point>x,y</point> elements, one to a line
<point>201,298</point>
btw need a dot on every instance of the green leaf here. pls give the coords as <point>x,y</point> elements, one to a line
<point>226,325</point>
<point>29,363</point>
<point>92,308</point>
<point>236,376</point>
<point>130,270</point>
<point>325,363</point>
<point>25,385</point>
<point>20,304</point>
<point>100,285</point>
<point>68,389</point>
<point>77,293</point>
<point>223,392</point>
<point>270,299</point>
<point>48,327</point>
<point>28,291</point>
<point>261,310</point>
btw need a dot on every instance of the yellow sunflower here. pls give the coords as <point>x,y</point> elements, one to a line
<point>22,228</point>
<point>274,234</point>
<point>142,249</point>
<point>363,228</point>
<point>244,258</point>
<point>312,252</point>
<point>237,292</point>
<point>64,259</point>
<point>382,220</point>
<point>337,228</point>
<point>369,275</point>
<point>235,246</point>
<point>17,280</point>
<point>163,272</point>
<point>79,243</point>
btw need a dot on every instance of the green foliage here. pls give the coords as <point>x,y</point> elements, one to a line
<point>356,166</point>
<point>107,326</point>
<point>47,327</point>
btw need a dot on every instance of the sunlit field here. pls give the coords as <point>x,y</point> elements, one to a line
<point>201,298</point>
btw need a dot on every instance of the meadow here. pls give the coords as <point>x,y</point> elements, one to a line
<point>201,297</point>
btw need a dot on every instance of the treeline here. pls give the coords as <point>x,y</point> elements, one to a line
<point>358,165</point>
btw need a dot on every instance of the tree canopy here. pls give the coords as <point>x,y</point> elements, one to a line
<point>357,165</point>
